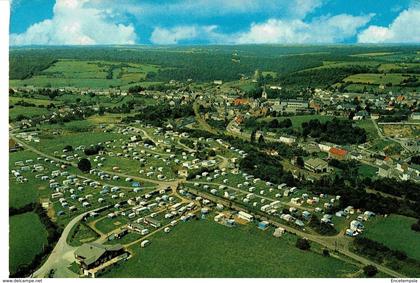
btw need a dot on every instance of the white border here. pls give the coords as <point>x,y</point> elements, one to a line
<point>4,137</point>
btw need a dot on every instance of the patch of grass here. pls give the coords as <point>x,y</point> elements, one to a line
<point>372,133</point>
<point>27,111</point>
<point>376,79</point>
<point>88,74</point>
<point>394,231</point>
<point>27,237</point>
<point>367,170</point>
<point>21,194</point>
<point>80,234</point>
<point>207,249</point>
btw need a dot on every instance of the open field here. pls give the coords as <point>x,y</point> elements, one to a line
<point>27,238</point>
<point>36,101</point>
<point>376,79</point>
<point>367,170</point>
<point>81,234</point>
<point>88,74</point>
<point>394,231</point>
<point>207,249</point>
<point>26,111</point>
<point>372,133</point>
<point>372,54</point>
<point>21,194</point>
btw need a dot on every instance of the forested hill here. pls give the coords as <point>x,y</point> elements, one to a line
<point>205,63</point>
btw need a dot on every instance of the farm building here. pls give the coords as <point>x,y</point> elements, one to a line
<point>92,255</point>
<point>316,165</point>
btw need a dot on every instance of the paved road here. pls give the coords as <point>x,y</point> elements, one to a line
<point>62,254</point>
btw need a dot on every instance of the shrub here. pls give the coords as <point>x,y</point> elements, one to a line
<point>303,244</point>
<point>370,270</point>
<point>84,165</point>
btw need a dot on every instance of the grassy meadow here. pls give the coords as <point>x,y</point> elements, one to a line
<point>394,231</point>
<point>207,249</point>
<point>27,238</point>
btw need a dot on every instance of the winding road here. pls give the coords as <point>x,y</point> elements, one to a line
<point>62,255</point>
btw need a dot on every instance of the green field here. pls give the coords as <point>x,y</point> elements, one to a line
<point>367,170</point>
<point>27,238</point>
<point>394,231</point>
<point>49,143</point>
<point>372,133</point>
<point>27,111</point>
<point>81,234</point>
<point>36,101</point>
<point>376,79</point>
<point>88,74</point>
<point>207,249</point>
<point>21,194</point>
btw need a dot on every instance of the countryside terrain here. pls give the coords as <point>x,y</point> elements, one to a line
<point>215,161</point>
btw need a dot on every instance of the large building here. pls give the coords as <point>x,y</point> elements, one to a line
<point>294,105</point>
<point>92,255</point>
<point>316,165</point>
<point>337,153</point>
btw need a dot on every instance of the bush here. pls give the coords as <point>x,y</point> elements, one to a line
<point>68,148</point>
<point>325,252</point>
<point>303,244</point>
<point>416,226</point>
<point>370,270</point>
<point>84,165</point>
<point>93,150</point>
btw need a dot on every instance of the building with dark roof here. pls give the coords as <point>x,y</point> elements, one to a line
<point>91,255</point>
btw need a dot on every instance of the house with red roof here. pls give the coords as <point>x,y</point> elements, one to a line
<point>338,153</point>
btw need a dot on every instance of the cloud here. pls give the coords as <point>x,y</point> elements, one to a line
<point>327,29</point>
<point>404,29</point>
<point>212,8</point>
<point>75,23</point>
<point>181,34</point>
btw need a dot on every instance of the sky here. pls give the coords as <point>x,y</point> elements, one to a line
<point>181,22</point>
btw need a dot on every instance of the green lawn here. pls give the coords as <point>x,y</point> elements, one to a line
<point>207,249</point>
<point>81,234</point>
<point>49,143</point>
<point>367,170</point>
<point>27,111</point>
<point>395,232</point>
<point>372,133</point>
<point>107,225</point>
<point>21,194</point>
<point>15,99</point>
<point>27,237</point>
